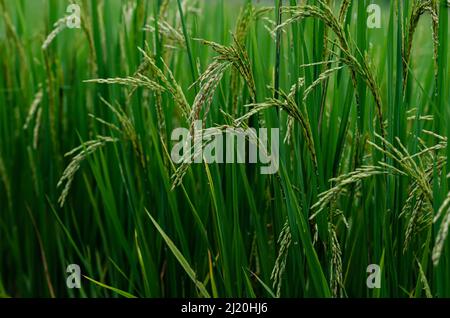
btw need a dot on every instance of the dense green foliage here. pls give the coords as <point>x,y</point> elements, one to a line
<point>363,170</point>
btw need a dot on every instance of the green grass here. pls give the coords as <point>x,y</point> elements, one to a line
<point>363,172</point>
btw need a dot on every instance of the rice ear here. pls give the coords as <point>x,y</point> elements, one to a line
<point>4,178</point>
<point>418,10</point>
<point>325,14</point>
<point>344,9</point>
<point>82,152</point>
<point>441,237</point>
<point>59,26</point>
<point>287,103</point>
<point>284,242</point>
<point>336,279</point>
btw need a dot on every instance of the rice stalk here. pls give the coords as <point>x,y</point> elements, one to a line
<point>164,8</point>
<point>11,32</point>
<point>80,154</point>
<point>36,129</point>
<point>393,210</point>
<point>58,27</point>
<point>343,10</point>
<point>327,198</point>
<point>445,205</point>
<point>288,104</point>
<point>276,76</point>
<point>421,213</point>
<point>325,14</point>
<point>243,24</point>
<point>6,182</point>
<point>170,33</point>
<point>415,218</point>
<point>209,81</point>
<point>290,120</point>
<point>200,138</point>
<point>238,57</point>
<point>322,77</point>
<point>228,56</point>
<point>336,279</point>
<point>128,130</point>
<point>407,164</point>
<point>421,173</point>
<point>441,236</point>
<point>187,41</point>
<point>419,8</point>
<point>86,26</point>
<point>138,81</point>
<point>284,242</point>
<point>444,211</point>
<point>424,280</point>
<point>169,82</point>
<point>33,108</point>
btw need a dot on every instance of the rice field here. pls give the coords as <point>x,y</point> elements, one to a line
<point>357,92</point>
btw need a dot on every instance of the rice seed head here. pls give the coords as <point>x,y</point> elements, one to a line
<point>59,26</point>
<point>322,77</point>
<point>336,278</point>
<point>434,11</point>
<point>33,108</point>
<point>325,14</point>
<point>421,213</point>
<point>80,154</point>
<point>440,238</point>
<point>330,196</point>
<point>343,10</point>
<point>238,57</point>
<point>209,81</point>
<point>243,23</point>
<point>171,34</point>
<point>443,229</point>
<point>287,103</point>
<point>169,82</point>
<point>138,81</point>
<point>163,8</point>
<point>6,181</point>
<point>418,10</point>
<point>228,56</point>
<point>204,136</point>
<point>284,242</point>
<point>445,205</point>
<point>128,130</point>
<point>424,280</point>
<point>36,129</point>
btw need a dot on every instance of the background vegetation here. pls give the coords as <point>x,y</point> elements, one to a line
<point>363,173</point>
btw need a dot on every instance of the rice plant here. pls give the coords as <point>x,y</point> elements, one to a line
<point>92,91</point>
